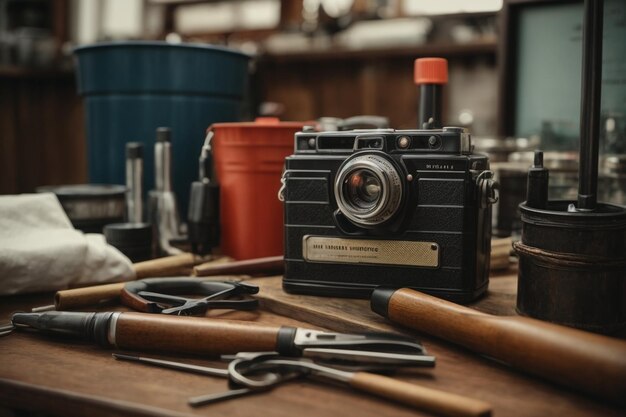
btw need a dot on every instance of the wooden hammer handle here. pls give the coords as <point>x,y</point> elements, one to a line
<point>432,400</point>
<point>585,361</point>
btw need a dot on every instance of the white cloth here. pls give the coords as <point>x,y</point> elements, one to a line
<point>41,251</point>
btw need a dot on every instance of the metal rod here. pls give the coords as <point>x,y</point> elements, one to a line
<point>429,116</point>
<point>134,182</point>
<point>163,160</point>
<point>221,396</point>
<point>6,329</point>
<point>179,366</point>
<point>590,105</point>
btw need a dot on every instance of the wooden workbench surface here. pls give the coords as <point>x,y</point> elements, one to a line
<point>69,378</point>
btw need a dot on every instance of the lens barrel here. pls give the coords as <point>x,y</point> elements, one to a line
<point>368,189</point>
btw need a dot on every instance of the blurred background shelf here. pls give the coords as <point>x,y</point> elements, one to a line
<point>313,58</point>
<point>13,71</point>
<point>441,49</point>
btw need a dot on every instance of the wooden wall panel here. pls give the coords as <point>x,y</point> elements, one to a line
<point>343,88</point>
<point>42,140</point>
<point>343,82</point>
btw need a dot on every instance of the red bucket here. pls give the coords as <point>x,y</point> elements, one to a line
<point>249,159</point>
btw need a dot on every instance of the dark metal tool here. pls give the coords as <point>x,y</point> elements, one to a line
<point>203,336</point>
<point>5,329</point>
<point>206,336</point>
<point>162,295</point>
<point>255,372</point>
<point>431,74</point>
<point>270,378</point>
<point>162,206</point>
<point>134,182</point>
<point>204,205</point>
<point>133,238</point>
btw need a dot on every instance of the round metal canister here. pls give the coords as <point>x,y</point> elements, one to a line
<point>572,266</point>
<point>90,207</point>
<point>132,239</point>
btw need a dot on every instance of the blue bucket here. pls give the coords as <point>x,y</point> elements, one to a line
<point>131,88</point>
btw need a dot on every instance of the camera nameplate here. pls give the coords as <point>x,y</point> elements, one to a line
<point>370,251</point>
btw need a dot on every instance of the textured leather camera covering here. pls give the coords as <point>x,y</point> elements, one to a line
<point>441,206</point>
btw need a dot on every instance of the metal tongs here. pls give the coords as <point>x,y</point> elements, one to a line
<point>356,360</point>
<point>256,372</point>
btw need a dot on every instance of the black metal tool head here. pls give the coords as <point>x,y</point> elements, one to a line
<point>163,295</point>
<point>347,349</point>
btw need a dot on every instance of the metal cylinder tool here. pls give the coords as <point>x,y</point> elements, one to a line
<point>133,238</point>
<point>203,219</point>
<point>431,74</point>
<point>163,209</point>
<point>134,182</point>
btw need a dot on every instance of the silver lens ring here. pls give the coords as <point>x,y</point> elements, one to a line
<point>373,206</point>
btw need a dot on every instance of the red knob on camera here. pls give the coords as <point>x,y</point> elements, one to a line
<point>431,71</point>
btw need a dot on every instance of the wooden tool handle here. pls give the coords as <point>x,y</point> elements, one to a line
<point>197,335</point>
<point>170,265</point>
<point>589,362</point>
<point>435,401</point>
<point>91,296</point>
<point>266,266</point>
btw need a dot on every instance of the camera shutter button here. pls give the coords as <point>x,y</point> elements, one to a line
<point>489,189</point>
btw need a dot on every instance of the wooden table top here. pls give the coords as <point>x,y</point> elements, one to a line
<point>63,377</point>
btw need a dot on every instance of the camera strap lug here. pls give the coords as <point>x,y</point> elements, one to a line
<point>489,188</point>
<point>283,185</point>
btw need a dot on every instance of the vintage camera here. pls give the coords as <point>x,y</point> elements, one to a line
<point>390,208</point>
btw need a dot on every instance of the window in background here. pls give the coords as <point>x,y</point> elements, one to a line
<point>228,16</point>
<point>547,91</point>
<point>97,20</point>
<point>424,7</point>
<point>123,19</point>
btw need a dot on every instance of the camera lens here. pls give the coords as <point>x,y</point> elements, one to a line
<point>363,189</point>
<point>368,189</point>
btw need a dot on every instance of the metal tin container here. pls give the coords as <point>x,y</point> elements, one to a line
<point>90,206</point>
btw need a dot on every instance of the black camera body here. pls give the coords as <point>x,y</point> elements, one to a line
<point>387,208</point>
